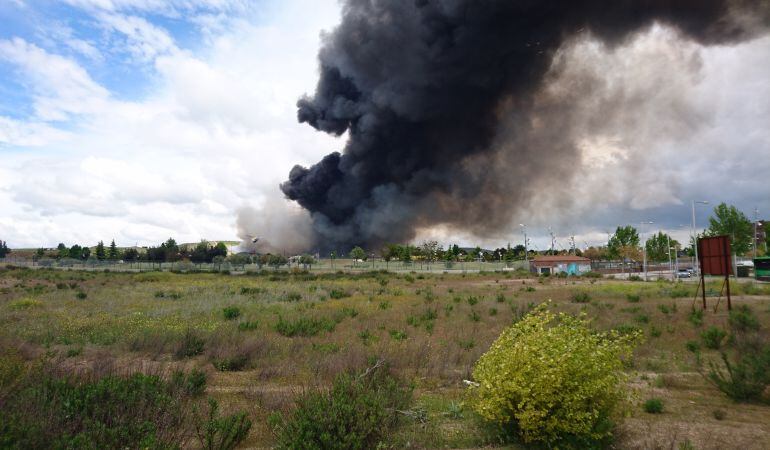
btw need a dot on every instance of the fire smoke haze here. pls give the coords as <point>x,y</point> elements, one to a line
<point>463,114</point>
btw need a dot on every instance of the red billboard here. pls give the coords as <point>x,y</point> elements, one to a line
<point>714,255</point>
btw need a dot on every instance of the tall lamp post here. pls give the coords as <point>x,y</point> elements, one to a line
<point>695,236</point>
<point>754,239</point>
<point>644,247</point>
<point>526,251</point>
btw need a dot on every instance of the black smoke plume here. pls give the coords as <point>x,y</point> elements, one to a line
<point>442,103</point>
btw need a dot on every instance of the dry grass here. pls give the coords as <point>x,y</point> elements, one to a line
<point>431,329</point>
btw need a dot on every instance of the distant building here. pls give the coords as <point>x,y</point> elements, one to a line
<point>554,264</point>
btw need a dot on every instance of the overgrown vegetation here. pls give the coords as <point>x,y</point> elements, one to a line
<point>354,414</point>
<point>551,379</point>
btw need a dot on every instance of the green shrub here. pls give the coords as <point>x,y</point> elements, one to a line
<point>221,433</point>
<point>231,312</point>
<point>500,298</point>
<point>303,326</point>
<point>474,316</point>
<point>49,411</point>
<point>473,300</point>
<point>81,295</point>
<point>653,406</point>
<point>633,298</point>
<point>338,294</point>
<point>353,414</point>
<point>581,297</point>
<point>552,380</point>
<point>634,278</point>
<point>655,331</point>
<point>719,414</point>
<point>193,383</point>
<point>642,318</point>
<point>248,325</point>
<point>743,319</point>
<point>692,346</point>
<point>713,337</point>
<point>696,317</point>
<point>233,363</point>
<point>398,335</point>
<point>293,297</point>
<point>746,378</point>
<point>190,345</point>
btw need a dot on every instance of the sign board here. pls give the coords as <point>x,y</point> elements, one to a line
<point>714,255</point>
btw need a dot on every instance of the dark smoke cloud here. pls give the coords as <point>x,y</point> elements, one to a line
<point>446,110</point>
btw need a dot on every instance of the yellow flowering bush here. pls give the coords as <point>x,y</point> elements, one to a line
<point>551,379</point>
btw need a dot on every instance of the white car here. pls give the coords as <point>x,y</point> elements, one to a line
<point>684,273</point>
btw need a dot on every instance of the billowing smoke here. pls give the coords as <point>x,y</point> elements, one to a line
<point>447,108</point>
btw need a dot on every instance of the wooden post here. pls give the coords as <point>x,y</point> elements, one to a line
<point>729,303</point>
<point>703,287</point>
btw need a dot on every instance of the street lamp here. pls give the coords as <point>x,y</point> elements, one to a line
<point>526,251</point>
<point>644,247</point>
<point>694,235</point>
<point>754,240</point>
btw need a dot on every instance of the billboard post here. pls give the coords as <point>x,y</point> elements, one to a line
<point>714,258</point>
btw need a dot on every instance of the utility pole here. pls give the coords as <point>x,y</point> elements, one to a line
<point>644,247</point>
<point>754,239</point>
<point>668,246</point>
<point>694,234</point>
<point>550,231</point>
<point>526,250</point>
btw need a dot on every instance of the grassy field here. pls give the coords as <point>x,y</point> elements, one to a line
<point>262,339</point>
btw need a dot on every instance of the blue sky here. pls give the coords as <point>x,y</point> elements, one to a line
<point>143,119</point>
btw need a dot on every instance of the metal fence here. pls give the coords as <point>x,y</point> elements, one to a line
<point>321,265</point>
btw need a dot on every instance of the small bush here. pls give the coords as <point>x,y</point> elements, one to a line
<point>519,375</point>
<point>713,337</point>
<point>353,414</point>
<point>190,345</point>
<point>293,297</point>
<point>719,414</point>
<point>692,346</point>
<point>472,300</point>
<point>696,317</point>
<point>633,298</point>
<point>745,378</point>
<point>398,335</point>
<point>653,406</point>
<point>384,305</point>
<point>193,383</point>
<point>303,326</point>
<point>81,295</point>
<point>338,294</point>
<point>580,297</point>
<point>655,331</point>
<point>634,278</point>
<point>231,312</point>
<point>492,311</point>
<point>742,319</point>
<point>234,363</point>
<point>248,325</point>
<point>221,433</point>
<point>474,316</point>
<point>642,318</point>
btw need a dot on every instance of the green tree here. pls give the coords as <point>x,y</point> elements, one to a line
<point>306,261</point>
<point>430,250</point>
<point>170,250</point>
<point>623,238</point>
<point>86,253</point>
<point>113,253</point>
<point>4,250</point>
<point>131,255</point>
<point>657,246</point>
<point>101,254</point>
<point>358,253</point>
<point>76,252</point>
<point>62,250</point>
<point>729,220</point>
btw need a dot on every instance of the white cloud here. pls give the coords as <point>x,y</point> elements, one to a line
<point>217,131</point>
<point>60,86</point>
<point>144,41</point>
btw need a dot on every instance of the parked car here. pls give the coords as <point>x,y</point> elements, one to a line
<point>683,273</point>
